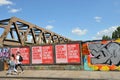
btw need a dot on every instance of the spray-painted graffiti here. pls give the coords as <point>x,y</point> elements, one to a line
<point>102,55</point>
<point>105,53</point>
<point>4,53</point>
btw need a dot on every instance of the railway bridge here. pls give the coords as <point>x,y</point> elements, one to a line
<point>17,32</point>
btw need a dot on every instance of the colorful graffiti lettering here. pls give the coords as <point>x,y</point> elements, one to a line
<point>103,56</point>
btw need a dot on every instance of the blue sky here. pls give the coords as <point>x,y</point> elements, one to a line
<point>74,19</point>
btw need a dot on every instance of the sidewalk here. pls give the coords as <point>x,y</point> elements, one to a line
<point>65,74</point>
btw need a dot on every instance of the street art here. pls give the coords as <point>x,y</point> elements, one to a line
<point>4,53</point>
<point>105,53</point>
<point>102,56</point>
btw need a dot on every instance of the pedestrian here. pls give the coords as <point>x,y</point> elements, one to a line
<point>19,61</point>
<point>12,63</point>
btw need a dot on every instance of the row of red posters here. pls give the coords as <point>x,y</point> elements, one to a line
<point>42,55</point>
<point>67,53</point>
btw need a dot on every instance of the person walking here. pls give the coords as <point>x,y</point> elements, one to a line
<point>19,61</point>
<point>12,63</point>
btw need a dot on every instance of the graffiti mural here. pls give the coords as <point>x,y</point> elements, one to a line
<point>102,56</point>
<point>105,53</point>
<point>4,53</point>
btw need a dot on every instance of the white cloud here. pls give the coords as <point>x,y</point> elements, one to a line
<point>8,3</point>
<point>107,32</point>
<point>5,2</point>
<point>97,18</point>
<point>79,31</point>
<point>49,27</point>
<point>13,10</point>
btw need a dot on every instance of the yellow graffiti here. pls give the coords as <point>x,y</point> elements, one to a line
<point>104,68</point>
<point>118,68</point>
<point>117,40</point>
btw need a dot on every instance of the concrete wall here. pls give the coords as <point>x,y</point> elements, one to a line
<point>94,55</point>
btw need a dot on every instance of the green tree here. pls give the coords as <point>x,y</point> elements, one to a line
<point>116,33</point>
<point>105,37</point>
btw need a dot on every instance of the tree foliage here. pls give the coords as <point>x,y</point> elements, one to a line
<point>106,37</point>
<point>115,34</point>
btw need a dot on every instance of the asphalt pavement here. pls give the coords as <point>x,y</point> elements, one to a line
<point>63,75</point>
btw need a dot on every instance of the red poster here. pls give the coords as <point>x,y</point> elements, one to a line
<point>25,53</point>
<point>61,53</point>
<point>36,55</point>
<point>73,53</point>
<point>47,54</point>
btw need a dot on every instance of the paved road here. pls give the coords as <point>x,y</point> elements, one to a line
<point>62,75</point>
<point>48,79</point>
